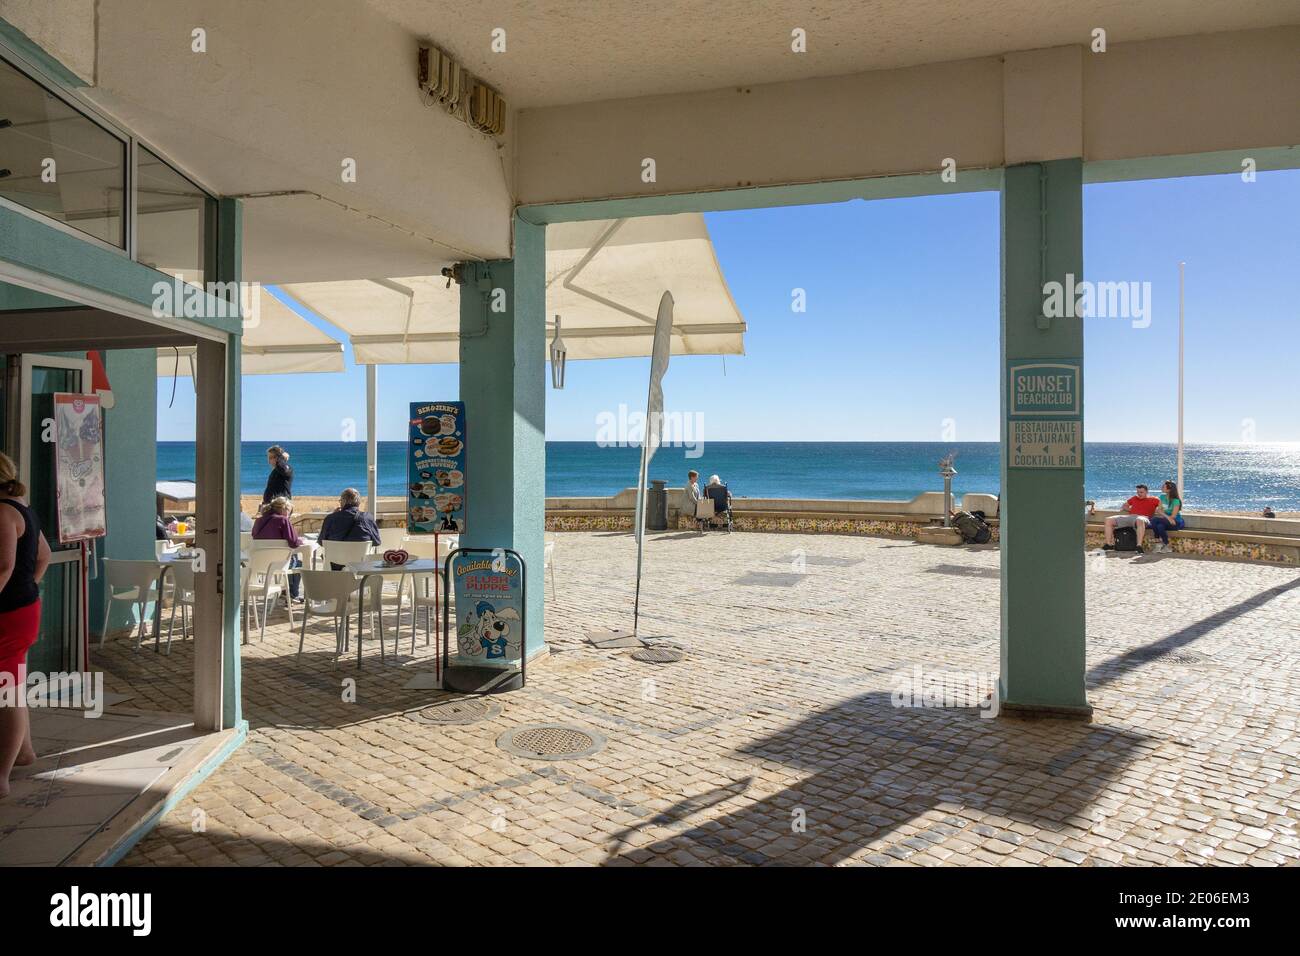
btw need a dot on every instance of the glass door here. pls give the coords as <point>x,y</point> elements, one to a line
<point>62,596</point>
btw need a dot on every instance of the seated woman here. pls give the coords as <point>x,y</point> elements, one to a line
<point>274,525</point>
<point>1169,516</point>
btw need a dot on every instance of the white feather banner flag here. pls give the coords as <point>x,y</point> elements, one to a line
<point>654,415</point>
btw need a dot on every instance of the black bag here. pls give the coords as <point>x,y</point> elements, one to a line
<point>973,528</point>
<point>1126,539</point>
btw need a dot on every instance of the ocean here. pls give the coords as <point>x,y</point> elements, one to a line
<point>1218,477</point>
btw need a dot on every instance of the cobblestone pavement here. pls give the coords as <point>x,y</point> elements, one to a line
<point>776,739</point>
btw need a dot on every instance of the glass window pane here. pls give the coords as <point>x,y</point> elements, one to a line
<point>172,221</point>
<point>58,162</point>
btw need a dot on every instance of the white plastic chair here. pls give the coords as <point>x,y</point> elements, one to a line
<point>328,592</point>
<point>345,552</point>
<point>390,538</point>
<point>548,562</point>
<point>351,552</point>
<point>268,578</point>
<point>163,548</point>
<point>134,581</point>
<point>182,576</point>
<point>424,585</point>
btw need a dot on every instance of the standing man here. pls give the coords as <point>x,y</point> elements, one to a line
<point>1137,512</point>
<point>692,490</point>
<point>279,484</point>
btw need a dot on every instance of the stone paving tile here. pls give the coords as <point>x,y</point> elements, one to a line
<point>776,741</point>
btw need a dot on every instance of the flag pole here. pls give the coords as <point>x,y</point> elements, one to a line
<point>1181,325</point>
<point>661,352</point>
<point>639,518</point>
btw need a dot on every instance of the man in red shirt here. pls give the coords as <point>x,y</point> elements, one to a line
<point>1137,512</point>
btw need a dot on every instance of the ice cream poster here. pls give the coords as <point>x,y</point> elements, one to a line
<point>435,489</point>
<point>79,466</point>
<point>489,603</point>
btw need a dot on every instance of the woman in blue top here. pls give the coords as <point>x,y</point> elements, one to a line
<point>1169,516</point>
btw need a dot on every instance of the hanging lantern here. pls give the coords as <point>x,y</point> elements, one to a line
<point>558,354</point>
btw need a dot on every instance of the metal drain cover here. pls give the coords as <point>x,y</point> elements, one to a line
<point>457,710</point>
<point>551,742</point>
<point>658,655</point>
<point>1150,654</point>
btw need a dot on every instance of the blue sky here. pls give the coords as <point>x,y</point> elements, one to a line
<point>901,328</point>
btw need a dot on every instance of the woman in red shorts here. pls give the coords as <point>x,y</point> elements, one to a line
<point>24,556</point>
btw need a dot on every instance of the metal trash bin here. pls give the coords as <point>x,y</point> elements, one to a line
<point>656,512</point>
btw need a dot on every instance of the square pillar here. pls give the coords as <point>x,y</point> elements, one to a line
<point>1043,644</point>
<point>503,386</point>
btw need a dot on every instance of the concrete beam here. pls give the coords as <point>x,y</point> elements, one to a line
<point>281,96</point>
<point>1163,98</point>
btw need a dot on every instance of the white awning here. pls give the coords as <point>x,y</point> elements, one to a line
<point>604,279</point>
<point>276,340</point>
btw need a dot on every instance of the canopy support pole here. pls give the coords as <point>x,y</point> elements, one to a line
<point>372,442</point>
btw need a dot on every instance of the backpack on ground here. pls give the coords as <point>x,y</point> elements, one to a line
<point>972,528</point>
<point>1126,539</point>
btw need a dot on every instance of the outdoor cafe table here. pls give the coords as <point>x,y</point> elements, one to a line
<point>376,568</point>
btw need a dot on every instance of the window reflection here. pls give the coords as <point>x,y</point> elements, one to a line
<point>173,216</point>
<point>58,162</point>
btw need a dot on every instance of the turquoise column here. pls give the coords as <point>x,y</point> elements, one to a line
<point>1042,535</point>
<point>503,386</point>
<point>130,469</point>
<point>229,268</point>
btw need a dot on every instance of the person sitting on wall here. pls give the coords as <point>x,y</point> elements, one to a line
<point>1137,512</point>
<point>692,498</point>
<point>274,525</point>
<point>1168,515</point>
<point>348,523</point>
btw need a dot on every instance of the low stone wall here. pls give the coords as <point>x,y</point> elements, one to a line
<point>1229,537</point>
<point>879,526</point>
<point>588,520</point>
<point>1224,545</point>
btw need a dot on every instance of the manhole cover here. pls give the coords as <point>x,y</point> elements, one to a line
<point>457,710</point>
<point>1149,654</point>
<point>658,655</point>
<point>551,742</point>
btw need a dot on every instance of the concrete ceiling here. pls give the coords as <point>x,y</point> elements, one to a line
<point>573,51</point>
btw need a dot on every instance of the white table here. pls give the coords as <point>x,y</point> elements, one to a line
<point>376,568</point>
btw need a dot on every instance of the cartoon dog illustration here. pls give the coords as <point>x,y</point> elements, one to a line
<point>488,633</point>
